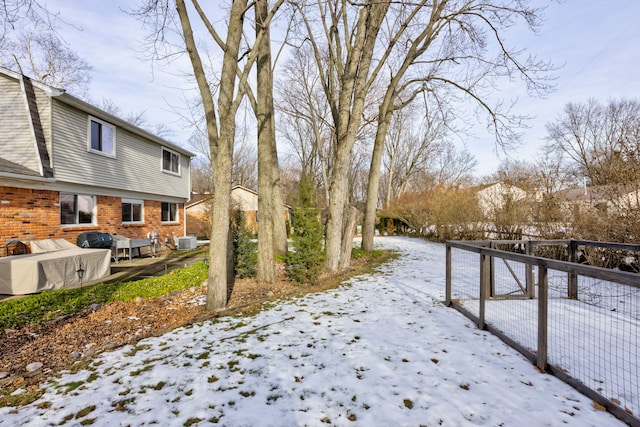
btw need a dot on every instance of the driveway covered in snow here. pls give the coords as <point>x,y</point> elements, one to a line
<point>381,350</point>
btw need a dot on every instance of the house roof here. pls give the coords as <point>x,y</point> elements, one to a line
<point>590,193</point>
<point>63,96</point>
<point>478,188</point>
<point>10,167</point>
<point>197,198</point>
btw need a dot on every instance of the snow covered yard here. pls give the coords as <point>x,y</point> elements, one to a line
<point>381,350</point>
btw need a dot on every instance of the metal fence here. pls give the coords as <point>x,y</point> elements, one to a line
<point>580,322</point>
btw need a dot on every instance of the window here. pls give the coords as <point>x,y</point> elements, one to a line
<point>77,209</point>
<point>169,212</point>
<point>170,161</point>
<point>132,211</point>
<point>102,137</point>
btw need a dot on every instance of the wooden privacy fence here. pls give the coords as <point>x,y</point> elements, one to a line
<point>579,322</point>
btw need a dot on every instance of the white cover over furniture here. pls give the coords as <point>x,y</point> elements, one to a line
<point>53,264</point>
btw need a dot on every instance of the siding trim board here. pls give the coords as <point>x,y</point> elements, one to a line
<point>66,187</point>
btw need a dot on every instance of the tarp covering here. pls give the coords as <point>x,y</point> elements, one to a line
<point>48,245</point>
<point>54,269</point>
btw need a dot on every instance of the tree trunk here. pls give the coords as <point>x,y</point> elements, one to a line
<point>373,185</point>
<point>337,201</point>
<point>266,149</point>
<point>351,220</point>
<point>220,145</point>
<point>218,280</point>
<point>280,245</point>
<point>354,85</point>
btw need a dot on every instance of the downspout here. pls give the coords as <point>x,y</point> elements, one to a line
<point>184,204</point>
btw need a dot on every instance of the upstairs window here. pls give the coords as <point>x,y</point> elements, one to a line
<point>169,212</point>
<point>77,209</point>
<point>170,161</point>
<point>102,137</point>
<point>132,211</point>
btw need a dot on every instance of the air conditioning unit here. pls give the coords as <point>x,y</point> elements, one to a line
<point>186,243</point>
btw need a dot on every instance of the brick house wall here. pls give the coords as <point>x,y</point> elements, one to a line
<point>32,214</point>
<point>198,224</point>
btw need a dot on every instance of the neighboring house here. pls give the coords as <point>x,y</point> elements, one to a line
<point>600,198</point>
<point>242,200</point>
<point>67,167</point>
<point>493,197</point>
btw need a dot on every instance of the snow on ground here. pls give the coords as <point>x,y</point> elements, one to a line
<point>381,350</point>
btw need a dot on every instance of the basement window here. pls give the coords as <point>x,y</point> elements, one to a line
<point>132,211</point>
<point>77,209</point>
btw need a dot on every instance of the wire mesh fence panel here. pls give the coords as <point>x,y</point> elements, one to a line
<point>509,278</point>
<point>592,333</point>
<point>606,295</point>
<point>558,284</point>
<point>626,260</point>
<point>551,251</point>
<point>465,270</point>
<point>507,310</point>
<point>516,319</point>
<point>597,343</point>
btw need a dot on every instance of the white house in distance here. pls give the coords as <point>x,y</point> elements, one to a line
<point>492,197</point>
<point>67,167</point>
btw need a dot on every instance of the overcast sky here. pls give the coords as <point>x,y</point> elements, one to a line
<point>596,44</point>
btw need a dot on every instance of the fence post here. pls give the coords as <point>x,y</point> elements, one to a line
<point>531,290</point>
<point>485,283</point>
<point>543,300</point>
<point>447,298</point>
<point>572,289</point>
<point>492,269</point>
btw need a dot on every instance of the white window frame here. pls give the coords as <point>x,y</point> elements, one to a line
<point>77,222</point>
<point>102,123</point>
<point>178,173</point>
<point>177,215</point>
<point>134,202</point>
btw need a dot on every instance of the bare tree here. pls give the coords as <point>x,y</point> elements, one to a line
<point>450,166</point>
<point>601,141</point>
<point>40,54</point>
<point>245,164</point>
<point>138,119</point>
<point>165,18</point>
<point>552,172</point>
<point>24,13</point>
<point>219,112</point>
<point>305,121</point>
<point>409,148</point>
<point>201,179</point>
<point>245,158</point>
<point>267,154</point>
<point>441,47</point>
<point>519,173</point>
<point>343,50</point>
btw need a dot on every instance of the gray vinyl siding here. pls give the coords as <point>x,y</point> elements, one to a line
<point>137,166</point>
<point>16,139</point>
